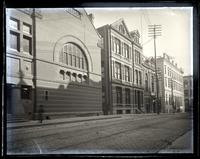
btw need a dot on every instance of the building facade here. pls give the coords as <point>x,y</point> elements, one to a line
<point>188,93</point>
<point>52,59</point>
<point>149,84</point>
<point>122,84</point>
<point>170,79</point>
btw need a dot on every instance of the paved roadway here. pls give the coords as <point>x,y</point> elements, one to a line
<point>128,134</point>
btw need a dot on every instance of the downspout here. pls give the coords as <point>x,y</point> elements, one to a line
<point>110,60</point>
<point>34,65</point>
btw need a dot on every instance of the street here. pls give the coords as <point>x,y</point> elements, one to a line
<point>127,134</point>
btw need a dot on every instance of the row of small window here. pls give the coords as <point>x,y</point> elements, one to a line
<point>172,74</point>
<point>14,42</point>
<point>169,99</point>
<point>73,77</point>
<point>118,72</point>
<point>147,81</point>
<point>138,96</point>
<point>15,25</point>
<point>176,86</point>
<point>120,48</point>
<point>188,93</point>
<point>72,55</point>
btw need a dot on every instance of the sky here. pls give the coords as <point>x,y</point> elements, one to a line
<point>176,23</point>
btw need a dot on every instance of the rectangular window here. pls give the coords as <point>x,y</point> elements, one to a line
<point>127,96</point>
<point>46,95</point>
<point>27,44</point>
<point>14,41</point>
<point>140,77</point>
<point>119,95</point>
<point>126,50</point>
<point>165,69</point>
<point>26,92</point>
<point>14,23</point>
<point>152,84</point>
<point>117,45</point>
<point>118,70</point>
<point>26,28</point>
<point>127,74</point>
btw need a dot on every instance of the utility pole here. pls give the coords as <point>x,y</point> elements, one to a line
<point>154,31</point>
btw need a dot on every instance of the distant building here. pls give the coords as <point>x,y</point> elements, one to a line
<point>149,84</point>
<point>123,90</point>
<point>188,93</point>
<point>55,52</point>
<point>170,79</point>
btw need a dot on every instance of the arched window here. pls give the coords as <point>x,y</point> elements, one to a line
<point>72,55</point>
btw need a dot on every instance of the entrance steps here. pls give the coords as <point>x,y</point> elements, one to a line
<point>11,118</point>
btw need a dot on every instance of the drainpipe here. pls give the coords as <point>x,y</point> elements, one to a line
<point>34,64</point>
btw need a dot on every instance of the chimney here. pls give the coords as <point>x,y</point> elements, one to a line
<point>91,17</point>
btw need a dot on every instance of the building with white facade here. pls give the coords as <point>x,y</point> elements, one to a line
<point>170,78</point>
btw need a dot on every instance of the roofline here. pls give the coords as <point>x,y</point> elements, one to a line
<point>92,24</point>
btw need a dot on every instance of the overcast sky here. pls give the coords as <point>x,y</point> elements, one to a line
<point>176,39</point>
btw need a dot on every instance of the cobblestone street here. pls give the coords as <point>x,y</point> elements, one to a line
<point>126,134</point>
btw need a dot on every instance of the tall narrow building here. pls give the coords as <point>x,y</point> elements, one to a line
<point>121,83</point>
<point>170,78</point>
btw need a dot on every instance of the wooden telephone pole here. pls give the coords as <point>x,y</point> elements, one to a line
<point>154,31</point>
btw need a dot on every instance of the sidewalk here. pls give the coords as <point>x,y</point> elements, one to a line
<point>183,144</point>
<point>35,123</point>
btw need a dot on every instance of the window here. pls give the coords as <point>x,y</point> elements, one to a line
<point>14,41</point>
<point>169,82</point>
<point>62,75</point>
<point>137,57</point>
<point>126,51</point>
<point>127,73</point>
<point>136,75</point>
<point>152,84</point>
<point>165,82</point>
<point>17,33</point>
<point>73,56</point>
<point>14,23</point>
<point>46,95</point>
<point>117,70</point>
<point>121,29</point>
<point>26,92</point>
<point>74,12</point>
<point>127,96</point>
<point>165,69</point>
<point>26,28</point>
<point>186,93</point>
<point>119,95</point>
<point>140,77</point>
<point>117,46</point>
<point>146,82</point>
<point>27,44</point>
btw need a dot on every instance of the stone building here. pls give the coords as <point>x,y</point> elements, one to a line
<point>121,81</point>
<point>52,59</point>
<point>170,79</point>
<point>188,93</point>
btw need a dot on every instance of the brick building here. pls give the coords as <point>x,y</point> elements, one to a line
<point>52,58</point>
<point>122,84</point>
